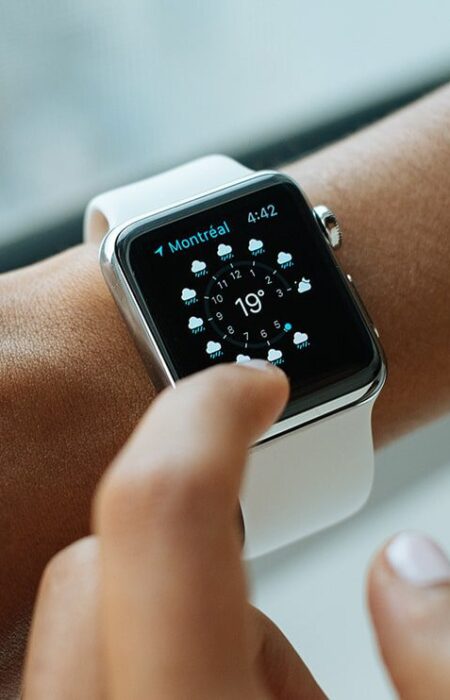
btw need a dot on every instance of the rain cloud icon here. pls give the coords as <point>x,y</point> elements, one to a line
<point>274,355</point>
<point>304,285</point>
<point>284,258</point>
<point>213,347</point>
<point>188,294</point>
<point>224,250</point>
<point>198,266</point>
<point>254,245</point>
<point>242,358</point>
<point>300,338</point>
<point>195,322</point>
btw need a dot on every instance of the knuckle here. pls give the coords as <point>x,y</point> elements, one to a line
<point>159,495</point>
<point>72,559</point>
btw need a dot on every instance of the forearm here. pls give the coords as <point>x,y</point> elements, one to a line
<point>72,388</point>
<point>390,187</point>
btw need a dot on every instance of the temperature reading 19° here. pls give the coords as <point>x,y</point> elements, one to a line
<point>251,303</point>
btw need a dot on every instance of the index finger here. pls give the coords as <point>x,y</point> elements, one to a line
<point>172,588</point>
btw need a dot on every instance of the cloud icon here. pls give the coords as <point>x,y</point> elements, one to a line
<point>254,245</point>
<point>224,249</point>
<point>198,266</point>
<point>304,285</point>
<point>273,355</point>
<point>243,358</point>
<point>300,338</point>
<point>188,294</point>
<point>283,258</point>
<point>195,322</point>
<point>213,347</point>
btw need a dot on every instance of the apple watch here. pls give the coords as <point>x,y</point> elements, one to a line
<point>211,262</point>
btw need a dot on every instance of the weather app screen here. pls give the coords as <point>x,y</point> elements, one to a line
<point>250,278</point>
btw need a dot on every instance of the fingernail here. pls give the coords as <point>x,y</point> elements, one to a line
<point>418,560</point>
<point>257,364</point>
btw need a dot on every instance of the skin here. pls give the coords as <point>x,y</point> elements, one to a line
<point>172,512</point>
<point>412,626</point>
<point>65,414</point>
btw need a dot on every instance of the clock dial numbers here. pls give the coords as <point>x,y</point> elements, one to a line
<point>245,304</point>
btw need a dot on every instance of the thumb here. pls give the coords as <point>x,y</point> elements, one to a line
<point>409,600</point>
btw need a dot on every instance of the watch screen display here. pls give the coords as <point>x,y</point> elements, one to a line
<point>250,275</point>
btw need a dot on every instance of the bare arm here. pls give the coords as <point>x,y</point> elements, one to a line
<point>390,187</point>
<point>73,386</point>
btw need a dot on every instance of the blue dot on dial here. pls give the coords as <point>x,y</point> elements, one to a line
<point>287,326</point>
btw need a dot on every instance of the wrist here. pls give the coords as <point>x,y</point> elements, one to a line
<point>74,387</point>
<point>96,359</point>
<point>76,340</point>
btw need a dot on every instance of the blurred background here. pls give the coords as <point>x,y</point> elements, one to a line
<point>97,94</point>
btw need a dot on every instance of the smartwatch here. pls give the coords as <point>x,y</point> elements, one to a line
<point>212,262</point>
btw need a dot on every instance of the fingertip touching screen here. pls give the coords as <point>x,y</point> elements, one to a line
<point>245,274</point>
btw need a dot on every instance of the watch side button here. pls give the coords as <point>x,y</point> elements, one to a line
<point>329,224</point>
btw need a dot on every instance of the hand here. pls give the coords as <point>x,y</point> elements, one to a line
<point>154,605</point>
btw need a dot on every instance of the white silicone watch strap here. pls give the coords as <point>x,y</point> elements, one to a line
<point>303,481</point>
<point>297,483</point>
<point>159,192</point>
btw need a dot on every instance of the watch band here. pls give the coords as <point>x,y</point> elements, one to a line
<point>299,482</point>
<point>159,192</point>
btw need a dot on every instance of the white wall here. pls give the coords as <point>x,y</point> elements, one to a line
<point>95,93</point>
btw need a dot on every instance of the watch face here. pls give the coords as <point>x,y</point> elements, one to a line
<point>248,274</point>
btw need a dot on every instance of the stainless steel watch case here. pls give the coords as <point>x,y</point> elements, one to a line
<point>148,345</point>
